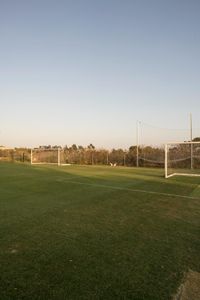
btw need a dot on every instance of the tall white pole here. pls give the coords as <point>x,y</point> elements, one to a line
<point>166,159</point>
<point>58,156</point>
<point>31,156</point>
<point>137,133</point>
<point>191,138</point>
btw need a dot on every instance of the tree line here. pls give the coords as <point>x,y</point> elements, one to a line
<point>90,155</point>
<point>145,156</point>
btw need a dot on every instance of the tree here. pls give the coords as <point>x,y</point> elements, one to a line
<point>117,156</point>
<point>91,147</point>
<point>80,148</point>
<point>74,147</point>
<point>196,139</point>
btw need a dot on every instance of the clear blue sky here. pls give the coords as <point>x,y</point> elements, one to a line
<point>84,71</point>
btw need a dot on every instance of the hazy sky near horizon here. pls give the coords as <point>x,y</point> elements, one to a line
<point>84,71</point>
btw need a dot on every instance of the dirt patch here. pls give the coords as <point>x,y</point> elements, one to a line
<point>13,251</point>
<point>14,248</point>
<point>190,288</point>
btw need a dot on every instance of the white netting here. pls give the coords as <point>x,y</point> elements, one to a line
<point>45,156</point>
<point>151,141</point>
<point>64,157</point>
<point>182,159</point>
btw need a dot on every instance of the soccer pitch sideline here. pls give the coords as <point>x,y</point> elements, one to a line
<point>88,232</point>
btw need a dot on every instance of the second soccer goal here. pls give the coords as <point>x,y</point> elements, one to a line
<point>182,159</point>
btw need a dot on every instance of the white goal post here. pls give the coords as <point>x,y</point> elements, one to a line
<point>55,156</point>
<point>182,159</point>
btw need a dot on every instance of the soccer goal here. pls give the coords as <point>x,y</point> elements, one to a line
<point>45,156</point>
<point>182,159</point>
<point>49,156</point>
<point>64,159</point>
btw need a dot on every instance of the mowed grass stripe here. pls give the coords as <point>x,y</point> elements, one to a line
<point>128,189</point>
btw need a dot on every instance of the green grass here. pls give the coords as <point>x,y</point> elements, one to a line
<point>81,232</point>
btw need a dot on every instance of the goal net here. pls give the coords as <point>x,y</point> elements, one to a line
<point>64,158</point>
<point>182,159</point>
<point>151,142</point>
<point>45,156</point>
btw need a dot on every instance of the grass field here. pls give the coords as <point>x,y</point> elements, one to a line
<point>80,232</point>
